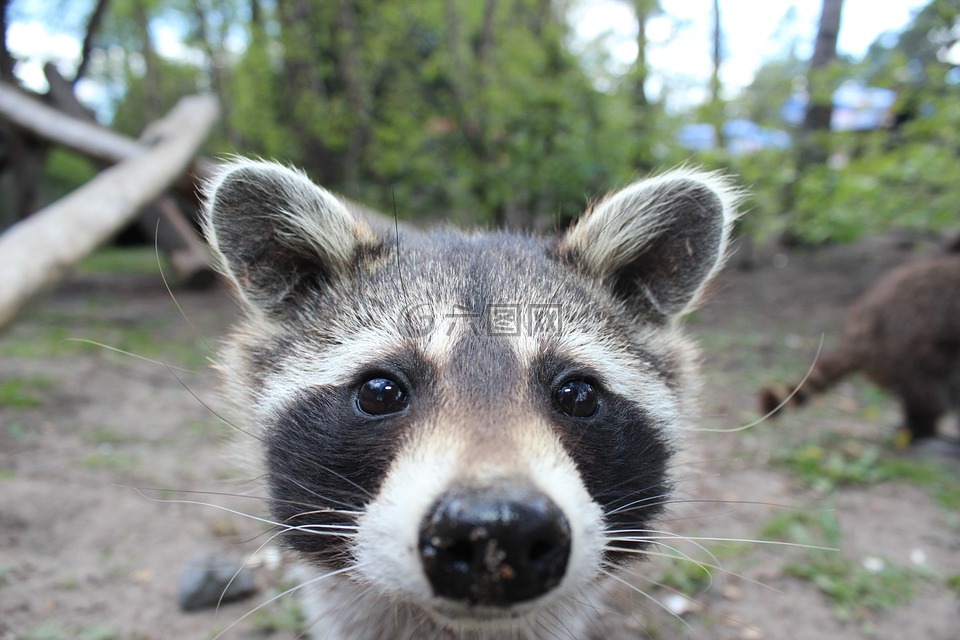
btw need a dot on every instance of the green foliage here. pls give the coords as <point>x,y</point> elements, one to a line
<point>872,181</point>
<point>65,171</point>
<point>473,111</point>
<point>479,112</point>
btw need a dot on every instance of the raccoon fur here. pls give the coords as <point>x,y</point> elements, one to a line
<point>462,433</point>
<point>903,334</point>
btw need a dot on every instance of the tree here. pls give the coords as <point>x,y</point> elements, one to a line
<point>819,86</point>
<point>717,54</point>
<point>811,137</point>
<point>643,110</point>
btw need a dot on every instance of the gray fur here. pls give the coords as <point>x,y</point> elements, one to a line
<point>328,296</point>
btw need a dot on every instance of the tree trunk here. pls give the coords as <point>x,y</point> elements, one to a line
<point>151,80</point>
<point>87,138</point>
<point>215,56</point>
<point>6,60</point>
<point>642,155</point>
<point>61,95</point>
<point>357,91</point>
<point>819,89</point>
<point>811,144</point>
<point>717,54</point>
<point>36,252</point>
<point>716,115</point>
<point>93,27</point>
<point>305,55</point>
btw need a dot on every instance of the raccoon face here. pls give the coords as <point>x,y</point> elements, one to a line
<point>475,424</point>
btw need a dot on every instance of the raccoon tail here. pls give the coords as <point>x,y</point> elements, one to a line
<point>828,370</point>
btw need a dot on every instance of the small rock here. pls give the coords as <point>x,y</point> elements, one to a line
<point>731,592</point>
<point>873,564</point>
<point>679,605</point>
<point>211,579</point>
<point>269,557</point>
<point>918,557</point>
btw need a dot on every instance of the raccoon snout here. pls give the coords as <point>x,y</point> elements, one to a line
<point>494,546</point>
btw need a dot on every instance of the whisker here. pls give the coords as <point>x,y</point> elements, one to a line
<point>617,578</point>
<point>342,502</point>
<point>676,555</point>
<point>245,563</point>
<point>656,540</point>
<point>225,494</point>
<point>285,527</point>
<point>635,503</point>
<point>166,284</point>
<point>213,411</point>
<point>129,354</point>
<point>726,617</point>
<point>767,415</point>
<point>703,565</point>
<point>779,543</point>
<point>282,594</point>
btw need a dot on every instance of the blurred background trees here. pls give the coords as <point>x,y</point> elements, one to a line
<point>482,111</point>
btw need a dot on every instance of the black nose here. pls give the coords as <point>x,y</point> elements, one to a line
<point>494,546</point>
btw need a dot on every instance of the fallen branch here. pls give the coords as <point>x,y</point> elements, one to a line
<point>48,123</point>
<point>38,251</point>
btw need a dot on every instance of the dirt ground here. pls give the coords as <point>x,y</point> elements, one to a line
<point>112,473</point>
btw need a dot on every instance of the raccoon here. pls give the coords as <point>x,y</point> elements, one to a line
<point>903,334</point>
<point>463,434</point>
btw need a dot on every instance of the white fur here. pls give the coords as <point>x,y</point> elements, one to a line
<point>387,549</point>
<point>623,224</point>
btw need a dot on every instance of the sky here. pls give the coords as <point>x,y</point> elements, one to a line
<point>678,53</point>
<point>680,40</point>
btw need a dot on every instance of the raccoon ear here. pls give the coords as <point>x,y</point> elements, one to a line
<point>658,241</point>
<point>272,229</point>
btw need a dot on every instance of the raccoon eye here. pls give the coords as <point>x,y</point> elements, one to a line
<point>380,396</point>
<point>576,398</point>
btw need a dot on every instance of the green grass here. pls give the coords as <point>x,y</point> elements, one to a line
<point>108,436</point>
<point>98,631</point>
<point>694,574</point>
<point>114,260</point>
<point>835,461</point>
<point>49,630</point>
<point>111,460</point>
<point>52,335</point>
<point>23,392</point>
<point>17,431</point>
<point>211,429</point>
<point>685,576</point>
<point>953,583</point>
<point>283,615</point>
<point>853,588</point>
<point>53,630</point>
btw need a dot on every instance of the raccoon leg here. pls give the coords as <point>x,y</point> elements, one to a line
<point>920,420</point>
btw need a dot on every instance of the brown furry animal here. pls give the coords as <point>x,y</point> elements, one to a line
<point>904,335</point>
